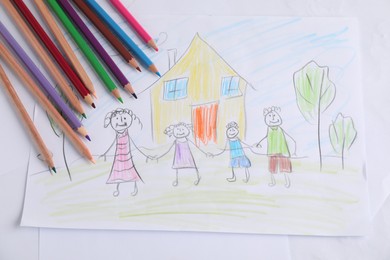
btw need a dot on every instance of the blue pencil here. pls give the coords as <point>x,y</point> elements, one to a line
<point>121,35</point>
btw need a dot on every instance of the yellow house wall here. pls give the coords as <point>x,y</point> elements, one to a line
<point>205,70</point>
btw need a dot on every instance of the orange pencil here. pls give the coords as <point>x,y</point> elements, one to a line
<point>45,103</point>
<point>49,64</point>
<point>42,148</point>
<point>49,19</point>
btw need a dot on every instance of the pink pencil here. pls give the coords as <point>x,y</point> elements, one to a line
<point>134,23</point>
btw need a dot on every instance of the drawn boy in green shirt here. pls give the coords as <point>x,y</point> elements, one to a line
<point>277,145</point>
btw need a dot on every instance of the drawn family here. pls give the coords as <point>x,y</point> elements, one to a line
<point>123,169</point>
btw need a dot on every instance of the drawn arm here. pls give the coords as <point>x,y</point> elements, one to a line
<point>291,141</point>
<point>223,150</point>
<point>259,143</point>
<point>139,150</point>
<point>198,148</point>
<point>170,148</point>
<point>109,148</point>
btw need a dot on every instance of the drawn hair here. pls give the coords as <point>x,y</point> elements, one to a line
<point>169,130</point>
<point>232,124</point>
<point>120,111</point>
<point>268,110</point>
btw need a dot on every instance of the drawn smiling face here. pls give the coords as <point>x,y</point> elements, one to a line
<point>273,119</point>
<point>231,132</point>
<point>121,122</point>
<point>180,131</point>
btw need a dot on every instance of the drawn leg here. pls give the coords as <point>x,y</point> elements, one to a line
<point>198,177</point>
<point>116,192</point>
<point>287,179</point>
<point>176,182</point>
<point>247,176</point>
<point>135,191</point>
<point>233,178</point>
<point>273,182</point>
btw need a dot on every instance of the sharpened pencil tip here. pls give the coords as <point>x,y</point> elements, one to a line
<point>120,100</point>
<point>139,69</point>
<point>134,95</point>
<point>158,74</point>
<point>84,115</point>
<point>89,138</point>
<point>54,169</point>
<point>93,161</point>
<point>93,105</point>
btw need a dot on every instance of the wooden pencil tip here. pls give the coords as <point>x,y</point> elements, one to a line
<point>54,169</point>
<point>84,115</point>
<point>120,100</point>
<point>93,160</point>
<point>158,74</point>
<point>139,69</point>
<point>93,105</point>
<point>134,95</point>
<point>88,138</point>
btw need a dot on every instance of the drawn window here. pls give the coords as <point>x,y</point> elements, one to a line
<point>175,89</point>
<point>230,86</point>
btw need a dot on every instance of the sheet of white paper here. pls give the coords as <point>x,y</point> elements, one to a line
<point>248,65</point>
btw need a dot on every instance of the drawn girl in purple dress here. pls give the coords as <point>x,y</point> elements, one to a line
<point>123,168</point>
<point>183,157</point>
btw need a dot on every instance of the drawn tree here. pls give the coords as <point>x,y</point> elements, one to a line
<point>314,94</point>
<point>342,135</point>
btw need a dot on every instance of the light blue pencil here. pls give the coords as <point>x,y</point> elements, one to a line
<point>121,35</point>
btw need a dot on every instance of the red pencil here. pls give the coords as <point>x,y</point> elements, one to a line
<point>52,48</point>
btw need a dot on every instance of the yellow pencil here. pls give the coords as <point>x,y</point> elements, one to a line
<point>42,148</point>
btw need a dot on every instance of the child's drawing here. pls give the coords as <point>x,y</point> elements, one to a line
<point>238,159</point>
<point>183,158</point>
<point>199,122</point>
<point>278,148</point>
<point>123,168</point>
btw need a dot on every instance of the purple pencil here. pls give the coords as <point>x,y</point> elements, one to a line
<point>68,8</point>
<point>46,87</point>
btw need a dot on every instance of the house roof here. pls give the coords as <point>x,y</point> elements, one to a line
<point>200,57</point>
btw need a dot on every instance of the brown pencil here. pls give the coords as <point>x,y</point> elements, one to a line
<point>42,148</point>
<point>50,21</point>
<point>44,56</point>
<point>110,36</point>
<point>45,103</point>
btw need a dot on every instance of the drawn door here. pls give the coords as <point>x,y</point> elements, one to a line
<point>205,123</point>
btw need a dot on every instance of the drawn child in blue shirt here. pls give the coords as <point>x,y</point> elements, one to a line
<point>238,159</point>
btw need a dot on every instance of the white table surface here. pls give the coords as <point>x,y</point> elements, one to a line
<point>32,244</point>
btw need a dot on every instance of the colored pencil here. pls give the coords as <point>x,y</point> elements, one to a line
<point>49,19</point>
<point>53,50</point>
<point>49,64</point>
<point>45,103</point>
<point>67,7</point>
<point>44,83</point>
<point>28,123</point>
<point>134,23</point>
<point>110,36</point>
<point>135,50</point>
<point>93,60</point>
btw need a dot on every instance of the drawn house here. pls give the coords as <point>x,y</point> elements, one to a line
<point>200,87</point>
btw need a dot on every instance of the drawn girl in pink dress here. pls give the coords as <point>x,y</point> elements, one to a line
<point>123,168</point>
<point>183,157</point>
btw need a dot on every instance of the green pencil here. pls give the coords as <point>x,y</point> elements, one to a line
<point>93,60</point>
